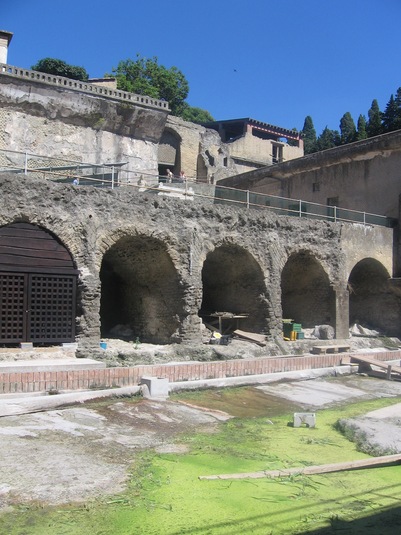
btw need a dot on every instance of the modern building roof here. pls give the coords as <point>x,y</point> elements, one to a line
<point>254,124</point>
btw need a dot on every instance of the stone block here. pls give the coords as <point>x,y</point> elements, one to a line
<point>155,387</point>
<point>307,418</point>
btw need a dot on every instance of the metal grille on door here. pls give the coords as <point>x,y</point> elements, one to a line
<point>12,307</point>
<point>51,308</point>
<point>37,286</point>
<point>37,308</point>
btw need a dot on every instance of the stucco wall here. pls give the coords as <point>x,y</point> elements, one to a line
<point>58,123</point>
<point>365,176</point>
<point>199,143</point>
<point>362,242</point>
<point>261,150</point>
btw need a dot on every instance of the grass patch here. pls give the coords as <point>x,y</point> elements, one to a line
<point>165,496</point>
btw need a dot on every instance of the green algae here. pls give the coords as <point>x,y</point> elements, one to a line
<point>165,495</point>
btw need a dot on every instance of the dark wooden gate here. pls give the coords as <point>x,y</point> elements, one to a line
<point>37,287</point>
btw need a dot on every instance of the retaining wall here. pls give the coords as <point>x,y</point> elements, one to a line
<point>24,382</point>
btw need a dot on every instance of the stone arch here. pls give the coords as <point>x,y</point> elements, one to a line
<point>141,294</point>
<point>169,153</point>
<point>201,170</point>
<point>233,282</point>
<point>372,303</point>
<point>38,281</point>
<point>306,294</point>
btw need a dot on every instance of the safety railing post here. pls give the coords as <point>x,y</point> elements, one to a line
<point>26,164</point>
<point>247,199</point>
<point>112,177</point>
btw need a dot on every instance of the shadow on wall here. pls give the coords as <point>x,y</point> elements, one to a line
<point>234,282</point>
<point>306,294</point>
<point>141,295</point>
<point>372,302</point>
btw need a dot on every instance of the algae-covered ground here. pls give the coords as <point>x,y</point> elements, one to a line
<point>166,497</point>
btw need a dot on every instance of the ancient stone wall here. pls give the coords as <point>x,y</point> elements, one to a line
<point>70,121</point>
<point>168,257</point>
<point>67,125</point>
<point>203,155</point>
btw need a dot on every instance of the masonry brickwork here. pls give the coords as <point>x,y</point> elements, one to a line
<point>29,382</point>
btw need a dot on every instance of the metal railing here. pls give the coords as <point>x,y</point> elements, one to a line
<point>114,175</point>
<point>300,208</point>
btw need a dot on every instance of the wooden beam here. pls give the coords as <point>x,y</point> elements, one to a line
<point>310,470</point>
<point>378,363</point>
<point>254,337</point>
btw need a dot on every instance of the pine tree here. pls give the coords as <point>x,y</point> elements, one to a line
<point>390,116</point>
<point>309,136</point>
<point>374,124</point>
<point>347,128</point>
<point>361,128</point>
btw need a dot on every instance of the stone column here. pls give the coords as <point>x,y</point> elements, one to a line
<point>5,39</point>
<point>342,313</point>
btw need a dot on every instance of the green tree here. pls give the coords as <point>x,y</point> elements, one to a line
<point>398,104</point>
<point>361,129</point>
<point>374,124</point>
<point>309,136</point>
<point>328,139</point>
<point>390,116</point>
<point>60,68</point>
<point>347,128</point>
<point>146,77</point>
<point>195,115</point>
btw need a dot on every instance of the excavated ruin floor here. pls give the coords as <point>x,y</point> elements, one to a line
<point>78,452</point>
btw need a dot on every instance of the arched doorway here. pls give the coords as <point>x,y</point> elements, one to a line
<point>169,154</point>
<point>141,292</point>
<point>306,294</point>
<point>233,283</point>
<point>37,287</point>
<point>371,301</point>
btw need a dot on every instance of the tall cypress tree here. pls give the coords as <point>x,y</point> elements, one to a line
<point>347,129</point>
<point>328,139</point>
<point>374,124</point>
<point>309,136</point>
<point>390,115</point>
<point>361,128</point>
<point>398,104</point>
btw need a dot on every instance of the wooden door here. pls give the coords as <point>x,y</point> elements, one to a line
<point>37,287</point>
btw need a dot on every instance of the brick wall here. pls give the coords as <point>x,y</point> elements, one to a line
<point>190,371</point>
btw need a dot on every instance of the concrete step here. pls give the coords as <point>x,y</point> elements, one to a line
<point>50,365</point>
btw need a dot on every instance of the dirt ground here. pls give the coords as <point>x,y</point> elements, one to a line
<point>84,451</point>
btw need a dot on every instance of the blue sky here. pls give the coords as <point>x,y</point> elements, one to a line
<point>276,61</point>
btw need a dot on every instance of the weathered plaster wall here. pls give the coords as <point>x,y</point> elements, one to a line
<point>44,115</point>
<point>261,150</point>
<point>199,143</point>
<point>362,242</point>
<point>363,175</point>
<point>58,123</point>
